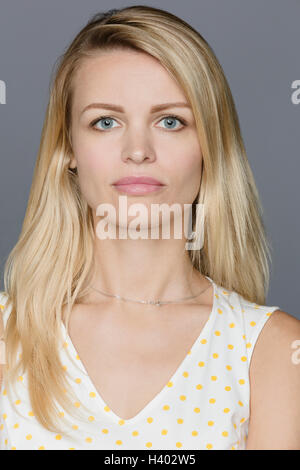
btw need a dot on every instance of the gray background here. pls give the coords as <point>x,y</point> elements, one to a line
<point>257,44</point>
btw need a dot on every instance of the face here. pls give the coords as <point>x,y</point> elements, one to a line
<point>136,140</point>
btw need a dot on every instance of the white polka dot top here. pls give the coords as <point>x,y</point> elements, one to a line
<point>204,405</point>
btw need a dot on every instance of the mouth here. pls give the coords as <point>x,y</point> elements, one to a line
<point>138,185</point>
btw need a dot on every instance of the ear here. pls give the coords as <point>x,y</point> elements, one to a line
<point>73,163</point>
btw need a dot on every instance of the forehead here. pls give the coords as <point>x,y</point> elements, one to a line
<point>123,76</point>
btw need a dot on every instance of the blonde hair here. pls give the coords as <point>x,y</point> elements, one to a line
<point>51,264</point>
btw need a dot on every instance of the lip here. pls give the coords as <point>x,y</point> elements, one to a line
<point>138,180</point>
<point>138,185</point>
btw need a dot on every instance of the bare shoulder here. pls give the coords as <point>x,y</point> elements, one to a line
<point>275,384</point>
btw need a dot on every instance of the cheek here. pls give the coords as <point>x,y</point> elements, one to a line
<point>184,168</point>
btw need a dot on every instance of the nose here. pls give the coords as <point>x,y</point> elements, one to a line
<point>138,148</point>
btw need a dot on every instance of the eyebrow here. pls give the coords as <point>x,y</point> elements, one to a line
<point>120,109</point>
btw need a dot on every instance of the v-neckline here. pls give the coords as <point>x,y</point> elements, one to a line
<point>174,378</point>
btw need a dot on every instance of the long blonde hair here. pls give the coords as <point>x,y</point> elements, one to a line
<point>51,264</point>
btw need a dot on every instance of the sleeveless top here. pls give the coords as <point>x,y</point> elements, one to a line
<point>204,405</point>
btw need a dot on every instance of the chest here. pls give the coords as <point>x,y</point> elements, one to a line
<point>130,361</point>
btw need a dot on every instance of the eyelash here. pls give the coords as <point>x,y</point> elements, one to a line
<point>181,120</point>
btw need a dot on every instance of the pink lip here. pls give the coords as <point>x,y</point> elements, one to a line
<point>138,180</point>
<point>138,185</point>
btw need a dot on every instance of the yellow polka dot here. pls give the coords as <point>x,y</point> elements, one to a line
<point>214,377</point>
<point>28,437</point>
<point>179,420</point>
<point>230,346</point>
<point>65,345</point>
<point>6,441</point>
<point>209,446</point>
<point>105,431</point>
<point>106,408</point>
<point>78,380</point>
<point>178,444</point>
<point>210,423</point>
<point>201,364</point>
<point>220,311</point>
<point>228,367</point>
<point>16,425</point>
<point>77,357</point>
<point>149,420</point>
<point>244,336</point>
<point>121,422</point>
<point>248,345</point>
<point>199,387</point>
<point>166,407</point>
<point>75,426</point>
<point>64,367</point>
<point>61,414</point>
<point>4,392</point>
<point>212,400</point>
<point>182,397</point>
<point>226,410</point>
<point>231,325</point>
<point>170,384</point>
<point>4,416</point>
<point>240,403</point>
<point>225,433</point>
<point>92,394</point>
<point>242,420</point>
<point>216,295</point>
<point>58,437</point>
<point>244,358</point>
<point>217,333</point>
<point>227,388</point>
<point>194,433</point>
<point>41,448</point>
<point>197,410</point>
<point>203,341</point>
<point>252,323</point>
<point>164,432</point>
<point>234,425</point>
<point>118,442</point>
<point>30,413</point>
<point>135,433</point>
<point>17,402</point>
<point>148,444</point>
<point>71,448</point>
<point>88,439</point>
<point>185,374</point>
<point>13,448</point>
<point>91,418</point>
<point>20,379</point>
<point>269,313</point>
<point>215,355</point>
<point>241,381</point>
<point>1,426</point>
<point>77,404</point>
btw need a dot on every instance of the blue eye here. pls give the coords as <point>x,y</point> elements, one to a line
<point>173,118</point>
<point>108,120</point>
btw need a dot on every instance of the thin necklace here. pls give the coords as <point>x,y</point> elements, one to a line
<point>157,303</point>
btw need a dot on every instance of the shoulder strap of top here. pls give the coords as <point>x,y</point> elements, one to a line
<point>255,317</point>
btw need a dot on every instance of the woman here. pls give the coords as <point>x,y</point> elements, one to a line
<point>140,343</point>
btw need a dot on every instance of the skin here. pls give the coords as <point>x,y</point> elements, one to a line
<point>138,142</point>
